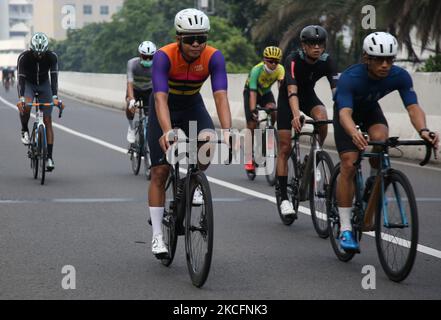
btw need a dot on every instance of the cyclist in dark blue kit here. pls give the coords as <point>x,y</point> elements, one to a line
<point>356,103</point>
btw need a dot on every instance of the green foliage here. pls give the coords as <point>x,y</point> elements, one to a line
<point>433,64</point>
<point>106,47</point>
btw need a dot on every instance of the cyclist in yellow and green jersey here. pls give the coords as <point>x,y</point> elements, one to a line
<point>257,89</point>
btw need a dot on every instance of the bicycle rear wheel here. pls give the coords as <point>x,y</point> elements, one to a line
<point>292,194</point>
<point>199,231</point>
<point>396,229</point>
<point>169,220</point>
<point>136,149</point>
<point>334,218</point>
<point>318,188</point>
<point>271,148</point>
<point>42,153</point>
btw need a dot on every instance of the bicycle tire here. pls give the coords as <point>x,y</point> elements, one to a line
<point>394,177</point>
<point>333,219</point>
<point>319,221</point>
<point>169,221</point>
<point>202,226</point>
<point>271,177</point>
<point>136,153</point>
<point>42,153</point>
<point>147,162</point>
<point>33,154</point>
<point>288,219</point>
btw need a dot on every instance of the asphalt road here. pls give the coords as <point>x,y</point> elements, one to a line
<point>92,214</point>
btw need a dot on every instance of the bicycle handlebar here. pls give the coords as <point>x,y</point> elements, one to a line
<point>51,104</point>
<point>395,142</point>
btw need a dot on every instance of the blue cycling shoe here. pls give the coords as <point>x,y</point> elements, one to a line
<point>348,243</point>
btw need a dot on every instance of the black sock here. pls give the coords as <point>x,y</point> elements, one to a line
<point>283,183</point>
<point>50,148</point>
<point>24,122</point>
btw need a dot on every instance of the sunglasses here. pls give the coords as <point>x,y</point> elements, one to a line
<point>191,39</point>
<point>272,61</point>
<point>144,57</point>
<point>321,44</point>
<point>380,60</point>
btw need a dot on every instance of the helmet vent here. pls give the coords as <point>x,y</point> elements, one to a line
<point>381,47</point>
<point>190,22</point>
<point>373,41</point>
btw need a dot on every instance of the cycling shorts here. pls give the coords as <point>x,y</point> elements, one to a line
<point>261,101</point>
<point>364,117</point>
<point>307,101</point>
<point>180,118</point>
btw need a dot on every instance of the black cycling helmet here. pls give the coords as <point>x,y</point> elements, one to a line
<point>313,34</point>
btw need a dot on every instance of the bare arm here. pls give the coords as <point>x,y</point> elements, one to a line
<point>223,108</point>
<point>418,119</point>
<point>350,128</point>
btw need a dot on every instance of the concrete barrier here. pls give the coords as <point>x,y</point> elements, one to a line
<point>109,90</point>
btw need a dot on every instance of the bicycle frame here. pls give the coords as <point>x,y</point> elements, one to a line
<point>385,166</point>
<point>310,168</point>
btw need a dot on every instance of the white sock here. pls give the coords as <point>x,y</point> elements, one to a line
<point>131,124</point>
<point>156,214</point>
<point>345,219</point>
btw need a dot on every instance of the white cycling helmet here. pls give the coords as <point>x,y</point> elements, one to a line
<point>191,21</point>
<point>39,43</point>
<point>147,48</point>
<point>380,44</point>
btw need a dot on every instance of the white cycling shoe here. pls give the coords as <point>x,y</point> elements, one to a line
<point>198,197</point>
<point>131,135</point>
<point>25,138</point>
<point>158,246</point>
<point>286,208</point>
<point>50,164</point>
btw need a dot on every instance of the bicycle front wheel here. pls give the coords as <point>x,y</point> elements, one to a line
<point>32,151</point>
<point>271,149</point>
<point>199,230</point>
<point>169,220</point>
<point>136,150</point>
<point>147,163</point>
<point>396,230</point>
<point>317,193</point>
<point>42,153</point>
<point>334,218</point>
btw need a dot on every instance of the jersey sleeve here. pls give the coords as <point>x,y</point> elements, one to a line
<point>282,73</point>
<point>218,72</point>
<point>406,90</point>
<point>332,74</point>
<point>130,77</point>
<point>344,96</point>
<point>160,69</point>
<point>54,73</point>
<point>21,75</point>
<point>290,67</point>
<point>254,77</point>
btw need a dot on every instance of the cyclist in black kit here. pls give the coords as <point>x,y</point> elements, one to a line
<point>34,66</point>
<point>302,70</point>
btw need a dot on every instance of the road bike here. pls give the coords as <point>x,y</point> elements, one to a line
<point>384,205</point>
<point>308,178</point>
<point>266,148</point>
<point>139,150</point>
<point>194,221</point>
<point>37,148</point>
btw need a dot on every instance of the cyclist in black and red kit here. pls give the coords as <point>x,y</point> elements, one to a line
<point>34,66</point>
<point>302,70</point>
